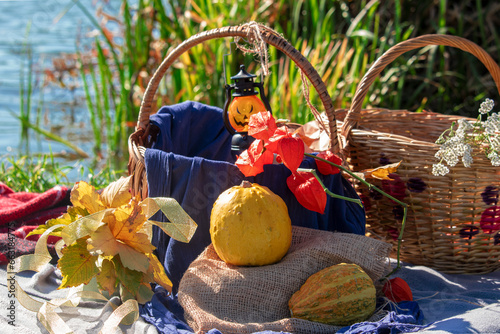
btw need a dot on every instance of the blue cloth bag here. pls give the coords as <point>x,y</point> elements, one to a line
<point>191,161</point>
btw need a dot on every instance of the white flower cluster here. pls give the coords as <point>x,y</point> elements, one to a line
<point>486,106</point>
<point>492,124</point>
<point>459,143</point>
<point>455,147</point>
<point>439,169</point>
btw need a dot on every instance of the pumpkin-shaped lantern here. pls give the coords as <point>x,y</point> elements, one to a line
<point>240,105</point>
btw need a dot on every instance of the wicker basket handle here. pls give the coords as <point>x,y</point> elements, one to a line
<point>270,37</point>
<point>354,113</point>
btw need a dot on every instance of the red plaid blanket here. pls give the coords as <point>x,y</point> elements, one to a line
<point>22,212</point>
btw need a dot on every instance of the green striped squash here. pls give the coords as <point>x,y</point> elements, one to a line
<point>338,295</point>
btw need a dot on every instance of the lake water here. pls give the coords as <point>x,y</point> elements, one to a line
<point>55,26</point>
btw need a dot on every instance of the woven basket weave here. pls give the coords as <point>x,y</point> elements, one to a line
<point>446,213</point>
<point>145,133</point>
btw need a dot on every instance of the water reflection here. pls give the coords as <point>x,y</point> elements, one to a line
<point>55,26</point>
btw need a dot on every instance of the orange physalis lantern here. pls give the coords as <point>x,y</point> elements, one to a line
<point>397,290</point>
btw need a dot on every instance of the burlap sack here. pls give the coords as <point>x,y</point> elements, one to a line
<point>250,299</point>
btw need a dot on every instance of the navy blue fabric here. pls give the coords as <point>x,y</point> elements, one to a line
<point>191,162</point>
<point>165,313</point>
<point>216,331</point>
<point>193,129</point>
<point>404,317</point>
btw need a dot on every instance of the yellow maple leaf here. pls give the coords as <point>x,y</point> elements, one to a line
<point>102,242</point>
<point>107,277</point>
<point>109,236</point>
<point>157,273</point>
<point>129,279</point>
<point>120,236</point>
<point>127,226</point>
<point>127,219</point>
<point>381,173</point>
<point>77,265</point>
<point>84,195</point>
<point>133,259</point>
<point>71,215</point>
<point>117,193</point>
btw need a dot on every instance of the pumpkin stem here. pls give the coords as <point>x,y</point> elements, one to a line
<point>245,184</point>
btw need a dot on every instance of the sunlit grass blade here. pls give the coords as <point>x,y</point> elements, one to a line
<point>90,104</point>
<point>52,136</point>
<point>106,78</point>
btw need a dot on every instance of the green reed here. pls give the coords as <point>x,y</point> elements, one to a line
<point>25,84</point>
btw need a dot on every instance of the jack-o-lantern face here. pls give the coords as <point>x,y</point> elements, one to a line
<point>241,108</point>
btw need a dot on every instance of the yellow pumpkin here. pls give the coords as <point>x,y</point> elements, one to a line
<point>250,226</point>
<point>240,110</point>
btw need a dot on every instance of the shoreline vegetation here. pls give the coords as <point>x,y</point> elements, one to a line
<point>340,38</point>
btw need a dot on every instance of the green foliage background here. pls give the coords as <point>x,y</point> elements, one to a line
<point>340,38</point>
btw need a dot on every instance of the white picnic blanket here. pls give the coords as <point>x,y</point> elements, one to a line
<point>455,303</point>
<point>88,317</point>
<point>452,303</point>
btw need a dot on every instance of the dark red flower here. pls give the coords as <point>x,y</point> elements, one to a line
<point>262,125</point>
<point>397,290</point>
<point>394,233</point>
<point>325,168</point>
<point>291,151</point>
<point>308,191</point>
<point>490,219</point>
<point>394,187</point>
<point>251,161</point>
<point>367,204</point>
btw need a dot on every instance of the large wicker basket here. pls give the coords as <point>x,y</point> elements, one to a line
<point>145,132</point>
<point>443,229</point>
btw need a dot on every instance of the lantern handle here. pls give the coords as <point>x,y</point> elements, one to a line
<point>225,115</point>
<point>263,96</point>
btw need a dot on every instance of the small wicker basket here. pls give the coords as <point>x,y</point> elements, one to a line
<point>447,215</point>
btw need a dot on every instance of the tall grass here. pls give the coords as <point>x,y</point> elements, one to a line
<point>38,173</point>
<point>340,38</point>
